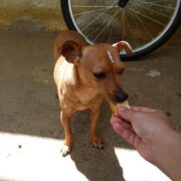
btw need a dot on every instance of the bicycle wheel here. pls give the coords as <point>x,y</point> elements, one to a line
<point>145,24</point>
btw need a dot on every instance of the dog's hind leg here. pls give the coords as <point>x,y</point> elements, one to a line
<point>65,120</point>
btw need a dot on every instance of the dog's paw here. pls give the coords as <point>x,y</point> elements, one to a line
<point>97,143</point>
<point>65,150</point>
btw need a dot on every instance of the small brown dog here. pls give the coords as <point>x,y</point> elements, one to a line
<point>86,75</point>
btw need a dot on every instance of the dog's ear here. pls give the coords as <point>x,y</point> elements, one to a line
<point>71,51</point>
<point>123,45</point>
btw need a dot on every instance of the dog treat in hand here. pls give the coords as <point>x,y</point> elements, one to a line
<point>114,107</point>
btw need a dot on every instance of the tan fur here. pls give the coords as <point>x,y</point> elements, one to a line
<point>78,88</point>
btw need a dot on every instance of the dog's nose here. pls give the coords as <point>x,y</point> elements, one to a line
<point>121,96</point>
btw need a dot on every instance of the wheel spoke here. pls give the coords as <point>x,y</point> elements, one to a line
<point>155,12</point>
<point>134,42</point>
<point>76,6</point>
<point>155,4</point>
<point>160,1</point>
<point>158,22</point>
<point>88,12</point>
<point>98,16</point>
<point>110,33</point>
<point>143,25</point>
<point>140,25</point>
<point>109,22</point>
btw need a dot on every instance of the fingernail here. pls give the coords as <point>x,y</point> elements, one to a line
<point>122,108</point>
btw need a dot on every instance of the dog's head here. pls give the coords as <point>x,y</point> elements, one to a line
<point>99,67</point>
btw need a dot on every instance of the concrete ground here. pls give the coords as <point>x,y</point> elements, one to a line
<point>30,133</point>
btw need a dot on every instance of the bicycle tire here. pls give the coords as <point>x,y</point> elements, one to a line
<point>65,6</point>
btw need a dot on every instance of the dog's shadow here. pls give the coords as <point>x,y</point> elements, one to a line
<point>96,164</point>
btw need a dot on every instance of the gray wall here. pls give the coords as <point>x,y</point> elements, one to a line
<point>45,13</point>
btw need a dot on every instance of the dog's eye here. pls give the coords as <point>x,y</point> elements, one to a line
<point>120,72</point>
<point>100,75</point>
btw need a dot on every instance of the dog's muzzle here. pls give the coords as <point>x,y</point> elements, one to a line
<point>121,96</point>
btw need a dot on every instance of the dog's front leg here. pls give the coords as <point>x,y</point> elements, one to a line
<point>94,117</point>
<point>65,120</point>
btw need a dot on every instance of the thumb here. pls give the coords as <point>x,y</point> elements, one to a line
<point>126,114</point>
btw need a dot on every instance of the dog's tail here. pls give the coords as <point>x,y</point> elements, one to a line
<point>65,36</point>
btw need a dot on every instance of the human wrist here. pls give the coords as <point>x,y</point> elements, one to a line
<point>161,144</point>
<point>166,155</point>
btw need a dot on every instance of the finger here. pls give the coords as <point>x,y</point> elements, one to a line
<point>128,135</point>
<point>127,125</point>
<point>126,114</point>
<point>143,109</point>
<point>115,120</point>
<point>131,137</point>
<point>118,128</point>
<point>136,142</point>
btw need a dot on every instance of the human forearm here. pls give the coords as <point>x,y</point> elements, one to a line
<point>168,155</point>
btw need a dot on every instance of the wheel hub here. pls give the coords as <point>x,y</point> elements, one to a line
<point>123,3</point>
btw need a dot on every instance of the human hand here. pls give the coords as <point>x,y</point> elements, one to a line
<point>142,127</point>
